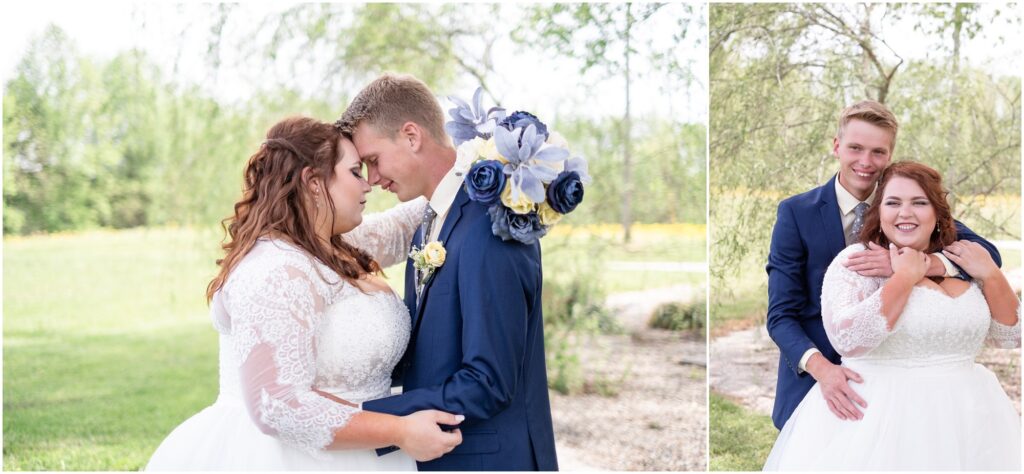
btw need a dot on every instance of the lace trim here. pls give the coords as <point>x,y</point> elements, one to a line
<point>310,426</point>
<point>1004,336</point>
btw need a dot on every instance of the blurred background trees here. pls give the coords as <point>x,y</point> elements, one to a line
<point>781,73</point>
<point>130,141</point>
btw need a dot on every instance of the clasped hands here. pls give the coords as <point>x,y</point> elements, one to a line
<point>877,261</point>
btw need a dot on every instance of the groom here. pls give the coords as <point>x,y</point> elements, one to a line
<point>477,344</point>
<point>811,229</point>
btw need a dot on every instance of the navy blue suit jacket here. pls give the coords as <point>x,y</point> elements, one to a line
<point>478,348</point>
<point>808,235</point>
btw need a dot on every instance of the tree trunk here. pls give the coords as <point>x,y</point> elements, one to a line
<point>867,66</point>
<point>954,91</point>
<point>627,126</point>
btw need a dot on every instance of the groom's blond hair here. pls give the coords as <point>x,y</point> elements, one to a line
<point>389,102</point>
<point>872,112</point>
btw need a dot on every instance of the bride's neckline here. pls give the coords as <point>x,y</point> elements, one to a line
<point>942,291</point>
<point>373,291</point>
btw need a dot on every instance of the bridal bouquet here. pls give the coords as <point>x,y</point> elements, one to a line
<point>517,167</point>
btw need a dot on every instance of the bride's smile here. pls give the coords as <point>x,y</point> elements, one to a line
<point>907,217</point>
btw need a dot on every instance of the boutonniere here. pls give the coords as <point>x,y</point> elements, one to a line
<point>429,258</point>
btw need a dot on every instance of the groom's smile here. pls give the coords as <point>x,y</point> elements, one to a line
<point>863,150</point>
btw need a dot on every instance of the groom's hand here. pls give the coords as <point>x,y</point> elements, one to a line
<point>835,387</point>
<point>872,262</point>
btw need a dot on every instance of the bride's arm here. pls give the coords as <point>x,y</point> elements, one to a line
<point>386,235</point>
<point>275,314</point>
<point>851,308</point>
<point>1004,330</point>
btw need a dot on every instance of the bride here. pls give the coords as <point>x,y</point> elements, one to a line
<point>308,330</point>
<point>913,340</point>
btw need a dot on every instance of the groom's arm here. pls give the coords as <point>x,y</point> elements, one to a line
<point>964,233</point>
<point>497,282</point>
<point>787,293</point>
<point>875,260</point>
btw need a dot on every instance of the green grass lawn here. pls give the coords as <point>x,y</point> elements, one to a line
<point>740,439</point>
<point>108,344</point>
<point>576,251</point>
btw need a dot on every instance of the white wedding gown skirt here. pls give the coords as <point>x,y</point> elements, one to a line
<point>950,416</point>
<point>222,437</point>
<point>289,328</point>
<point>930,406</point>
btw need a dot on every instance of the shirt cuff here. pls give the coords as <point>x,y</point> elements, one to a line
<point>951,270</point>
<point>360,405</point>
<point>806,357</point>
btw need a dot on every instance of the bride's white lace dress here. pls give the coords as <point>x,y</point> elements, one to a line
<point>288,326</point>
<point>930,406</point>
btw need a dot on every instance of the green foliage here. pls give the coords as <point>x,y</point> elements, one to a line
<point>573,311</point>
<point>604,38</point>
<point>676,316</point>
<point>740,439</point>
<point>120,143</point>
<point>669,161</point>
<point>109,144</point>
<point>601,35</point>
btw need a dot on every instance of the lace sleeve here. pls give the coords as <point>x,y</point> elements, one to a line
<point>851,308</point>
<point>387,235</point>
<point>1003,336</point>
<point>275,309</point>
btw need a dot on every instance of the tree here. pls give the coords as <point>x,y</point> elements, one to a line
<point>780,75</point>
<point>606,38</point>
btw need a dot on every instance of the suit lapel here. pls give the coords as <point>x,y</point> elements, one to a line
<point>454,214</point>
<point>828,207</point>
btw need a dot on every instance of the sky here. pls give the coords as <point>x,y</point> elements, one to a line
<point>103,29</point>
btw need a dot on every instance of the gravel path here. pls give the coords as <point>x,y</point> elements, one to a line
<point>744,365</point>
<point>658,419</point>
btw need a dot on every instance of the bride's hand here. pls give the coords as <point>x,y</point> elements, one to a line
<point>908,262</point>
<point>424,440</point>
<point>972,258</point>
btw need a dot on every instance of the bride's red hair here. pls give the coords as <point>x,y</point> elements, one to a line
<point>275,201</point>
<point>931,182</point>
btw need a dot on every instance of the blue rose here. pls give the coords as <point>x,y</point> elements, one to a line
<point>525,228</point>
<point>565,192</point>
<point>499,221</point>
<point>485,181</point>
<point>520,119</point>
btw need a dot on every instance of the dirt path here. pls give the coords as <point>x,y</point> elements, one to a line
<point>744,365</point>
<point>658,419</point>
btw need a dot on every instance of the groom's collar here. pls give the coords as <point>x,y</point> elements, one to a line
<point>848,201</point>
<point>446,190</point>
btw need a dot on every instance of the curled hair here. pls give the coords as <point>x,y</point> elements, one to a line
<point>274,200</point>
<point>931,182</point>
